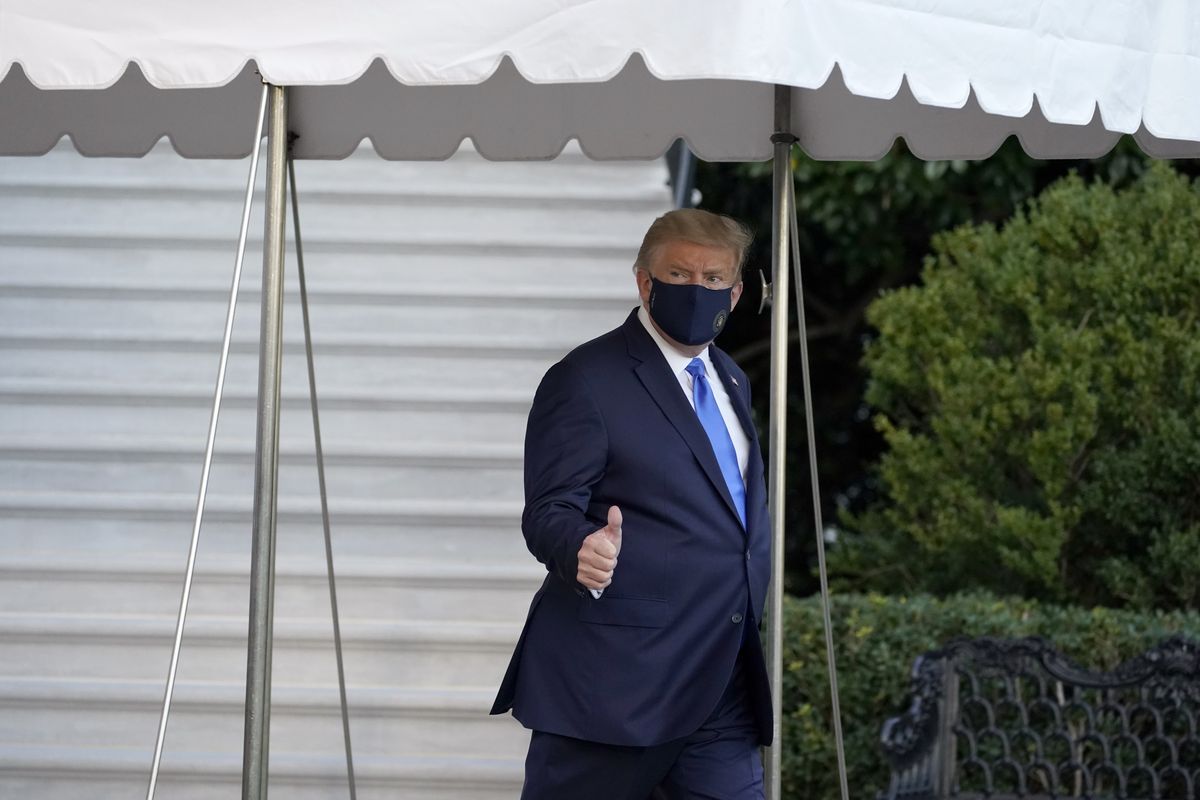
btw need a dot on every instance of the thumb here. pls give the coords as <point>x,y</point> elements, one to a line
<point>614,525</point>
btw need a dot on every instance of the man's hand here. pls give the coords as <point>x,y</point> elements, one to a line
<point>598,554</point>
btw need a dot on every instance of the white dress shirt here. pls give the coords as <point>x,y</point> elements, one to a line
<point>678,363</point>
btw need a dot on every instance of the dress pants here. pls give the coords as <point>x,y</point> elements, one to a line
<point>720,761</point>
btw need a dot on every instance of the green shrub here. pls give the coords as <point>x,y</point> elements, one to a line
<point>1039,394</point>
<point>876,639</point>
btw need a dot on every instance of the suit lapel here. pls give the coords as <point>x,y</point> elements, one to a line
<point>665,390</point>
<point>737,397</point>
<point>734,391</point>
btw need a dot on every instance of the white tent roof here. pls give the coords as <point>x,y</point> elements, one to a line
<point>624,77</point>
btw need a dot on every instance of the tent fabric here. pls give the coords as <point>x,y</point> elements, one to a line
<point>624,77</point>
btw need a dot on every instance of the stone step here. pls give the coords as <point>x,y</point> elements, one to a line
<point>124,583</point>
<point>388,369</point>
<point>332,344</point>
<point>536,318</point>
<point>159,506</point>
<point>416,654</point>
<point>46,529</point>
<point>344,483</point>
<point>99,773</point>
<point>134,527</point>
<point>31,212</point>
<point>412,528</point>
<point>328,266</point>
<point>384,721</point>
<point>439,293</point>
<point>329,193</point>
<point>345,294</point>
<point>414,414</point>
<point>112,464</point>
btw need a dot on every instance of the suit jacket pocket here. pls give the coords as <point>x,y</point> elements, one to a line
<point>638,612</point>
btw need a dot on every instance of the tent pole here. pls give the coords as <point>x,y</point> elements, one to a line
<point>266,469</point>
<point>777,435</point>
<point>206,470</point>
<point>320,455</point>
<point>819,524</point>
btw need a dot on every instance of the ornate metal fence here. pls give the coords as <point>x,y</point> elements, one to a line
<point>992,718</point>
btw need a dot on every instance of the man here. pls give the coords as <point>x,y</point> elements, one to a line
<point>640,669</point>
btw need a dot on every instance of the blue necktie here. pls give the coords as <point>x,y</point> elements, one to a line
<point>718,434</point>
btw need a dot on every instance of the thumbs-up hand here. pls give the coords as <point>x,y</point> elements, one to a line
<point>598,553</point>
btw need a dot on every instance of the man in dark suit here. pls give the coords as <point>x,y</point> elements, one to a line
<point>640,669</point>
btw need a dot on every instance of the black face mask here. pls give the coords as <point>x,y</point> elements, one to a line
<point>689,313</point>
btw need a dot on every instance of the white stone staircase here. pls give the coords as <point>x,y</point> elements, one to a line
<point>439,294</point>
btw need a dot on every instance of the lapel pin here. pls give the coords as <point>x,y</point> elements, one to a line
<point>735,383</point>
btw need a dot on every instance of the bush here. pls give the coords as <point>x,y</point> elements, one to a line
<point>1040,399</point>
<point>876,639</point>
<point>864,226</point>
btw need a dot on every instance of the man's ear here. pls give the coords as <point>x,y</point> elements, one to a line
<point>734,295</point>
<point>643,283</point>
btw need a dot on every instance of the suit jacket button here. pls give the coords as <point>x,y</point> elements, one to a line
<point>736,618</point>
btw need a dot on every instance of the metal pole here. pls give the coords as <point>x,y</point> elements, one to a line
<point>266,470</point>
<point>777,435</point>
<point>831,658</point>
<point>320,455</point>
<point>683,176</point>
<point>189,572</point>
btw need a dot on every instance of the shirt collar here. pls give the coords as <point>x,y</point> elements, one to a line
<point>676,360</point>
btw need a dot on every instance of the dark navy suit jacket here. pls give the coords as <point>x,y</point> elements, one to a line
<point>646,662</point>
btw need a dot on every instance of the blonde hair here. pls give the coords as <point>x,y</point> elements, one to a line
<point>699,227</point>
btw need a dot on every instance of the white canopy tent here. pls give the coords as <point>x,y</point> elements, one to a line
<point>622,76</point>
<point>737,81</point>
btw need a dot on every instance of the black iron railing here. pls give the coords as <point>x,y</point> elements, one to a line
<point>993,718</point>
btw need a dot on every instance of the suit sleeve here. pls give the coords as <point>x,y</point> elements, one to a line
<point>566,449</point>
